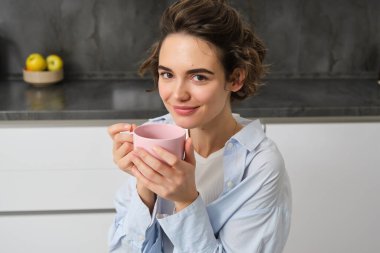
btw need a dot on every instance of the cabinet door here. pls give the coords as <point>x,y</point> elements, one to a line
<point>57,186</point>
<point>58,233</point>
<point>57,168</point>
<point>334,170</point>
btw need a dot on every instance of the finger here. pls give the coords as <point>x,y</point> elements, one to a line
<point>125,163</point>
<point>134,126</point>
<point>119,140</point>
<point>117,128</point>
<point>123,137</point>
<point>145,181</point>
<point>122,151</point>
<point>166,156</point>
<point>144,169</point>
<point>154,163</point>
<point>189,151</point>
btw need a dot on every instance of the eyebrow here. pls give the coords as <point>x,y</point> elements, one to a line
<point>191,71</point>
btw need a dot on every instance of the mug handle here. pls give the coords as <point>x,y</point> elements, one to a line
<point>127,132</point>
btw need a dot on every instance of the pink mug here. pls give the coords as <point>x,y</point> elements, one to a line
<point>168,136</point>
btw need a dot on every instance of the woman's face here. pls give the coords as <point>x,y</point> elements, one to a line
<point>192,82</point>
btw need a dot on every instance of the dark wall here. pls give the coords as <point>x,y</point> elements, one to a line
<point>100,38</point>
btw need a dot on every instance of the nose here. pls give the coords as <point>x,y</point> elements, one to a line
<point>181,92</point>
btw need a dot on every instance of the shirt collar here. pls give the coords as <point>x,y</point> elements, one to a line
<point>251,135</point>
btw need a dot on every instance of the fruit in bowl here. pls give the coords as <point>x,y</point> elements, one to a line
<point>41,72</point>
<point>54,62</point>
<point>35,62</point>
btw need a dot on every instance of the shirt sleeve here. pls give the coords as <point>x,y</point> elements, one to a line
<point>133,226</point>
<point>190,229</point>
<point>256,219</point>
<point>259,207</point>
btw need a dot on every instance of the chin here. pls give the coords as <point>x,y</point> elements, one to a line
<point>184,122</point>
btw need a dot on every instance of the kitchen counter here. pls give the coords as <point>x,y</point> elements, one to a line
<point>128,99</point>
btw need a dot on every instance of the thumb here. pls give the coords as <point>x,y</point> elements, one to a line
<point>189,151</point>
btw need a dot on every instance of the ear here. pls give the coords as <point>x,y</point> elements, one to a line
<point>237,79</point>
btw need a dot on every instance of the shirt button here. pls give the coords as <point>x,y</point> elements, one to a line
<point>141,238</point>
<point>230,185</point>
<point>230,145</point>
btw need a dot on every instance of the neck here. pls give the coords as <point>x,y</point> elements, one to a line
<point>212,137</point>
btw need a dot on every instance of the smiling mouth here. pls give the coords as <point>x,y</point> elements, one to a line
<point>185,110</point>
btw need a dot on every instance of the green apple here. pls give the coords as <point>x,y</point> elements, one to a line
<point>35,62</point>
<point>54,62</point>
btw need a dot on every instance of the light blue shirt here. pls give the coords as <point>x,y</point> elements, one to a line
<point>251,215</point>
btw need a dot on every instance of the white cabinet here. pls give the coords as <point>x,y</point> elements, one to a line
<point>58,233</point>
<point>334,170</point>
<point>57,185</point>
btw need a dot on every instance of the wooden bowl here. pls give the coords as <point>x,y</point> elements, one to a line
<point>42,78</point>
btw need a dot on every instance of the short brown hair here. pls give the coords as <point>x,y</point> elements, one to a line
<point>218,23</point>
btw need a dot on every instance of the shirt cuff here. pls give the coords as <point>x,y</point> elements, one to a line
<point>190,229</point>
<point>138,219</point>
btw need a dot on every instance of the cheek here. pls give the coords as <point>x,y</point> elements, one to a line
<point>164,93</point>
<point>204,96</point>
<point>214,96</point>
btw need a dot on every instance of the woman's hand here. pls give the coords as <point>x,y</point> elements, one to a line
<point>122,145</point>
<point>173,179</point>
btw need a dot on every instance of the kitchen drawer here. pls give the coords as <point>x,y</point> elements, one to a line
<point>58,233</point>
<point>57,168</point>
<point>58,190</point>
<point>55,148</point>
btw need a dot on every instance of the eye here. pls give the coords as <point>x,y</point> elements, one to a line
<point>166,75</point>
<point>199,78</point>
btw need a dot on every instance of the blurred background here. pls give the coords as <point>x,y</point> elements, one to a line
<point>102,39</point>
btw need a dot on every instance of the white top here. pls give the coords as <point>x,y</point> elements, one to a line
<point>209,175</point>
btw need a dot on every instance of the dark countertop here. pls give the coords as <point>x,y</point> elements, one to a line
<point>127,99</point>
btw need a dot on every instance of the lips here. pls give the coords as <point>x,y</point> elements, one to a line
<point>185,110</point>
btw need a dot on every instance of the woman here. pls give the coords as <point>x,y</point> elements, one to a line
<point>231,192</point>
